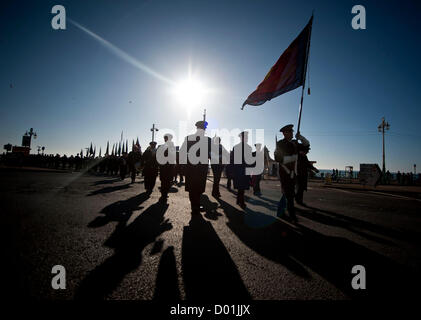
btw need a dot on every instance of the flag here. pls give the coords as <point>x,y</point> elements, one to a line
<point>100,152</point>
<point>119,148</point>
<point>112,152</point>
<point>94,152</point>
<point>108,145</point>
<point>287,74</point>
<point>91,151</point>
<point>127,146</point>
<point>81,153</point>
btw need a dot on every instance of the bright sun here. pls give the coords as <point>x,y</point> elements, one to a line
<point>189,93</point>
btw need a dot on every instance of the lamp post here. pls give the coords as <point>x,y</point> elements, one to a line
<point>27,142</point>
<point>383,125</point>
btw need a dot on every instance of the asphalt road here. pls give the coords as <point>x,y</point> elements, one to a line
<point>117,243</point>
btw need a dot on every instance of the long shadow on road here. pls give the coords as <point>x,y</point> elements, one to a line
<point>109,189</point>
<point>106,181</point>
<point>352,224</point>
<point>128,244</point>
<point>263,234</point>
<point>331,257</point>
<point>166,286</point>
<point>208,271</point>
<point>119,211</point>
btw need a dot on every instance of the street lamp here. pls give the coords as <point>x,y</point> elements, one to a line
<point>26,142</point>
<point>383,125</point>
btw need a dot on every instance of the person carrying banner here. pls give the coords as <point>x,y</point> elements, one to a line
<point>286,154</point>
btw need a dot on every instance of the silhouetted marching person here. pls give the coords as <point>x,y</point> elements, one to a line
<point>178,169</point>
<point>238,159</point>
<point>229,172</point>
<point>134,157</point>
<point>219,158</point>
<point>150,167</point>
<point>166,169</point>
<point>196,150</point>
<point>286,154</point>
<point>123,165</point>
<point>303,167</point>
<point>257,176</point>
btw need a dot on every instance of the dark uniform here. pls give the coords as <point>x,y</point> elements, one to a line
<point>218,167</point>
<point>166,171</point>
<point>150,167</point>
<point>256,178</point>
<point>134,157</point>
<point>287,155</point>
<point>123,166</point>
<point>196,174</point>
<point>241,180</point>
<point>303,168</point>
<point>178,168</point>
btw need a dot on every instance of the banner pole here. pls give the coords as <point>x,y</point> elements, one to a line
<point>305,73</point>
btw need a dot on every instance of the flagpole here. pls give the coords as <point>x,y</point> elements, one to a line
<point>305,73</point>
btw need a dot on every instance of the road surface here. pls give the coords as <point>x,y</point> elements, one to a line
<point>116,243</point>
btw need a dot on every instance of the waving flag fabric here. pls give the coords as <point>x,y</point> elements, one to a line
<point>287,73</point>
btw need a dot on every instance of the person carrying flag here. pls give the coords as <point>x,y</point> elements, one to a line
<point>286,154</point>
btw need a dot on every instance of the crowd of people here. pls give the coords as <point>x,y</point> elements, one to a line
<point>291,154</point>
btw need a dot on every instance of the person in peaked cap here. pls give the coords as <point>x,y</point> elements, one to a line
<point>201,124</point>
<point>166,159</point>
<point>241,180</point>
<point>286,154</point>
<point>150,167</point>
<point>196,168</point>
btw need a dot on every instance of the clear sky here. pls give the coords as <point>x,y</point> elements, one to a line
<point>74,89</point>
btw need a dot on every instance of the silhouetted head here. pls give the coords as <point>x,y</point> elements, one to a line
<point>244,136</point>
<point>288,132</point>
<point>167,137</point>
<point>201,125</point>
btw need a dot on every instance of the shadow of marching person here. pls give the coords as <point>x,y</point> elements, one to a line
<point>119,211</point>
<point>208,271</point>
<point>109,189</point>
<point>128,245</point>
<point>209,207</point>
<point>166,286</point>
<point>263,234</point>
<point>106,181</point>
<point>331,257</point>
<point>334,258</point>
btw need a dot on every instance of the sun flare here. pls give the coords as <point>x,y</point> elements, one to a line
<point>190,93</point>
